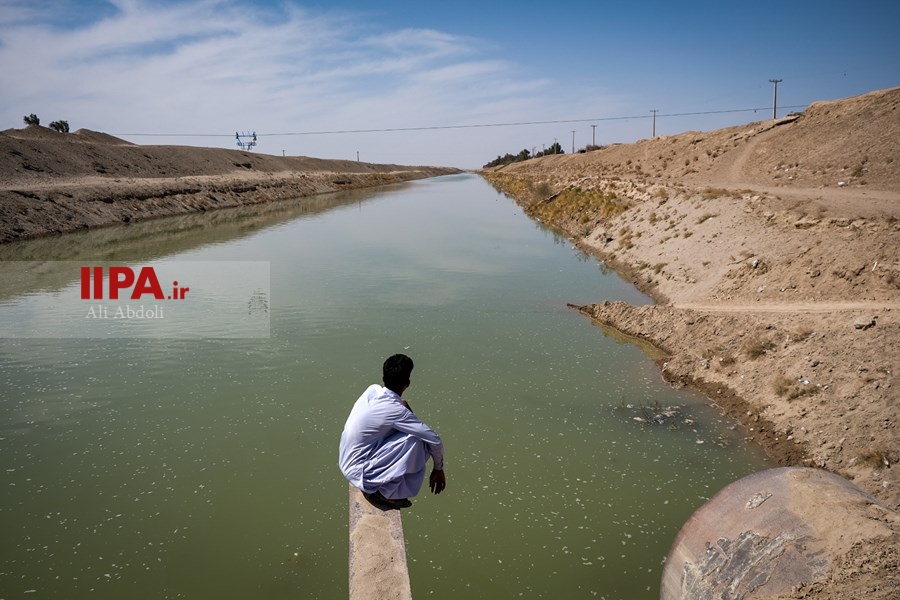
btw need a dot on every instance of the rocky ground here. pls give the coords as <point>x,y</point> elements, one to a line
<point>773,251</point>
<point>53,182</point>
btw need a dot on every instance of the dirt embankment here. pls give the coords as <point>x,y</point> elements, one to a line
<point>52,182</point>
<point>773,251</point>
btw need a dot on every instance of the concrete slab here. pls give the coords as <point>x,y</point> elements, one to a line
<point>378,568</point>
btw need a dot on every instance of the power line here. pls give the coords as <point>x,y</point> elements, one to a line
<point>474,126</point>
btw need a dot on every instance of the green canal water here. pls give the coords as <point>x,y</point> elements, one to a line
<point>206,468</point>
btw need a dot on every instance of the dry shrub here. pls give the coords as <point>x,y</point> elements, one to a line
<point>879,456</point>
<point>801,333</point>
<point>757,347</point>
<point>727,359</point>
<point>790,389</point>
<point>710,193</point>
<point>782,385</point>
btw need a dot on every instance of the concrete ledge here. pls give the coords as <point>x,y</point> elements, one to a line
<point>378,568</point>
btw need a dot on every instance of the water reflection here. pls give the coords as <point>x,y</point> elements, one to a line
<point>151,239</point>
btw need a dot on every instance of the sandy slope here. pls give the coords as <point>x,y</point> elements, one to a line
<point>54,183</point>
<point>773,250</point>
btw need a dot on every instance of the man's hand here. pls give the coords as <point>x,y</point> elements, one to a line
<point>437,482</point>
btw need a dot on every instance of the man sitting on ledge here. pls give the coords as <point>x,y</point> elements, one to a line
<point>384,446</point>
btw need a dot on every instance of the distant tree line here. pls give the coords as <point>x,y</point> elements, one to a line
<point>60,126</point>
<point>524,155</point>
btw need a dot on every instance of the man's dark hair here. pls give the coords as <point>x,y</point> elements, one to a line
<point>396,372</point>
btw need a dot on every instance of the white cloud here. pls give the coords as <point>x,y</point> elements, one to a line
<point>215,66</point>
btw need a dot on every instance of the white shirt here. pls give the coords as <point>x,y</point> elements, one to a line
<point>378,414</point>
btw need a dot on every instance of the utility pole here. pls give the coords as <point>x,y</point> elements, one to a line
<point>654,111</point>
<point>573,141</point>
<point>357,156</point>
<point>555,145</point>
<point>775,100</point>
<point>593,135</point>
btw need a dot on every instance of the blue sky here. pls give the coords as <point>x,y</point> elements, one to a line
<point>296,71</point>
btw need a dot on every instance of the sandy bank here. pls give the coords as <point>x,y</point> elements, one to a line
<point>773,251</point>
<point>53,183</point>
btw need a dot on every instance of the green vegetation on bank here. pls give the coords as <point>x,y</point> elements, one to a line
<point>524,155</point>
<point>60,126</point>
<point>573,208</point>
